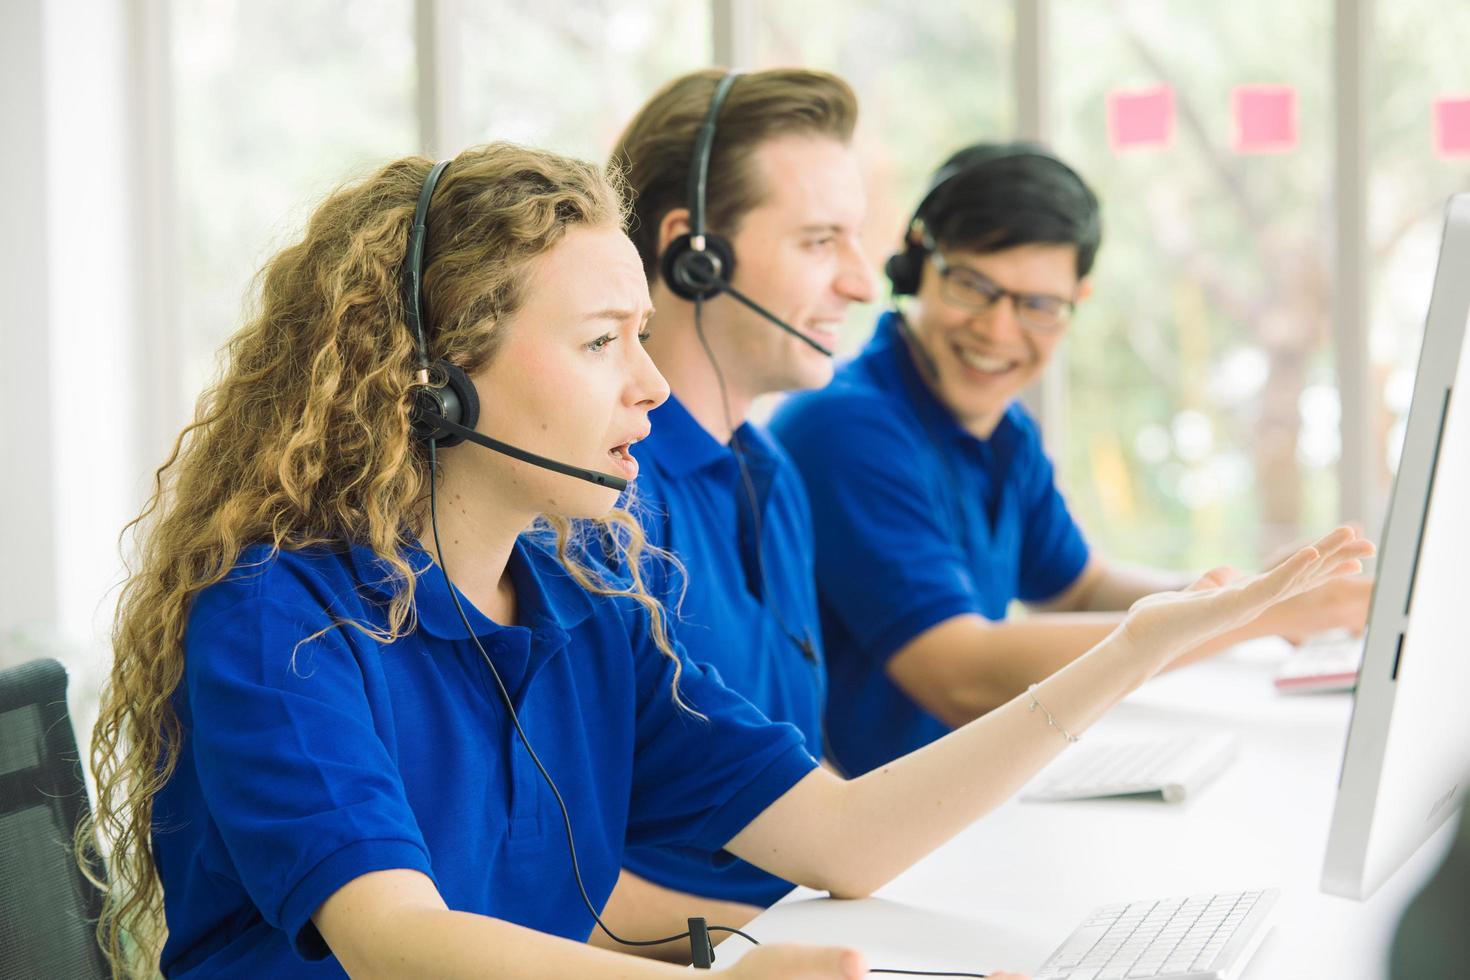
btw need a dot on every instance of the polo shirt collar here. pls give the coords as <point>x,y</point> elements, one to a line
<point>548,599</point>
<point>894,366</point>
<point>680,446</point>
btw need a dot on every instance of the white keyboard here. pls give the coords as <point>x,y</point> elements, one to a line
<point>1328,664</point>
<point>1175,768</point>
<point>1203,937</point>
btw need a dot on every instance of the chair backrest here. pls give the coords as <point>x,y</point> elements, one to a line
<point>47,928</point>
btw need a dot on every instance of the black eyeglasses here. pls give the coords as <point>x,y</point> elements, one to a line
<point>969,289</point>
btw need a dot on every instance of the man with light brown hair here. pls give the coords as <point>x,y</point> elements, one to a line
<point>751,278</point>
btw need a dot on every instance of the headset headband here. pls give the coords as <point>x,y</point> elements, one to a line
<point>413,268</point>
<point>947,173</point>
<point>704,147</point>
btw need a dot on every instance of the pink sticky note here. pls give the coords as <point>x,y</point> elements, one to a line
<point>1452,126</point>
<point>1141,119</point>
<point>1265,118</point>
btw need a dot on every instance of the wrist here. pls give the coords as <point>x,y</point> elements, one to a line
<point>1135,654</point>
<point>1266,624</point>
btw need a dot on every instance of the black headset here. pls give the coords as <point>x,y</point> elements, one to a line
<point>445,415</point>
<point>700,265</point>
<point>453,400</point>
<point>446,405</point>
<point>905,268</point>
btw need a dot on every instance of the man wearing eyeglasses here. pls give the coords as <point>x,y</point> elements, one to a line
<point>933,501</point>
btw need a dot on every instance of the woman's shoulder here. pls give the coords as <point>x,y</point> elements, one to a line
<point>263,574</point>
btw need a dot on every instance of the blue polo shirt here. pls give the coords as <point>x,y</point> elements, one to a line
<point>760,632</point>
<point>917,522</point>
<point>310,761</point>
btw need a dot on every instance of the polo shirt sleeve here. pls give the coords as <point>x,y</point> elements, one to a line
<point>698,781</point>
<point>1054,552</point>
<point>887,565</point>
<point>303,792</point>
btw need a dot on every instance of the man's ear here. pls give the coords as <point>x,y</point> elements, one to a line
<point>674,224</point>
<point>1084,290</point>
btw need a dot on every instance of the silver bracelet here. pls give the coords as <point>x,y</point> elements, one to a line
<point>1036,703</point>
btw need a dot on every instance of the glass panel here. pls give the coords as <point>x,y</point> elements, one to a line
<point>275,103</point>
<point>930,77</point>
<point>1418,55</point>
<point>567,75</point>
<point>1202,412</point>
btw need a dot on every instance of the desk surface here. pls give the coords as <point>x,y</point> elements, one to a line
<point>1006,891</point>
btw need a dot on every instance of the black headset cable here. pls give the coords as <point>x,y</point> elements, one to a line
<point>566,819</point>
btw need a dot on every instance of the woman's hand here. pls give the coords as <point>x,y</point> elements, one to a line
<point>1164,625</point>
<point>811,963</point>
<point>1341,604</point>
<point>788,962</point>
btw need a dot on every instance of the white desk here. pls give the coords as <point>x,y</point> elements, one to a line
<point>1008,890</point>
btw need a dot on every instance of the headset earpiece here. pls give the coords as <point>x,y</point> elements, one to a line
<point>701,273</point>
<point>905,269</point>
<point>456,400</point>
<point>698,274</point>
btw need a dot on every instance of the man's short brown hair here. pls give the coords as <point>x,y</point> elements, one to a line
<point>656,150</point>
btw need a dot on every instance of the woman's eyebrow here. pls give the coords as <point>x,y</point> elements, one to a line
<point>618,315</point>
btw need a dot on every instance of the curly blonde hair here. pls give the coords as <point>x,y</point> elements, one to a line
<point>306,440</point>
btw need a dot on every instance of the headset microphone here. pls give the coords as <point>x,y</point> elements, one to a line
<point>445,414</point>
<point>480,439</point>
<point>741,298</point>
<point>721,285</point>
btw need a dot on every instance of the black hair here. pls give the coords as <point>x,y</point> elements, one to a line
<point>1001,195</point>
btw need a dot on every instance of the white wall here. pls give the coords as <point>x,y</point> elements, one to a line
<point>28,560</point>
<point>71,355</point>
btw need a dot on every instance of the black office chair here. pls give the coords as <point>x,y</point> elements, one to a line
<point>47,928</point>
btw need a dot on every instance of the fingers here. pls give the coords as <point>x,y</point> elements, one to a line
<point>1345,542</point>
<point>1282,580</point>
<point>1337,551</point>
<point>1336,554</point>
<point>851,965</point>
<point>1335,538</point>
<point>1279,555</point>
<point>1343,557</point>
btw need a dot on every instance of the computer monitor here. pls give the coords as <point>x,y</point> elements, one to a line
<point>1408,747</point>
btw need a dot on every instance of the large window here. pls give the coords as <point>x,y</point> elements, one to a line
<point>1202,402</point>
<point>1199,417</point>
<point>567,75</point>
<point>275,102</point>
<point>1418,57</point>
<point>930,77</point>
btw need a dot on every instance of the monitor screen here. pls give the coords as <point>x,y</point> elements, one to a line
<point>1408,747</point>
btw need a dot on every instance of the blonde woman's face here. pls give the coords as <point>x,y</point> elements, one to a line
<point>570,379</point>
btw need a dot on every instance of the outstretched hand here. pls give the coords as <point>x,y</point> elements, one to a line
<point>1166,624</point>
<point>1341,604</point>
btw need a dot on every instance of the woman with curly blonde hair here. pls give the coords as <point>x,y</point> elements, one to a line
<point>307,760</point>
